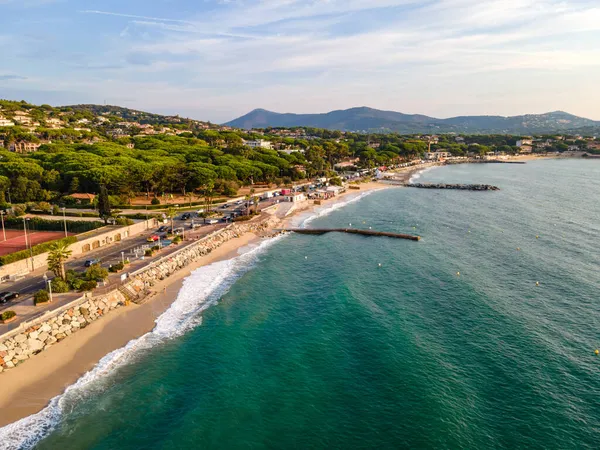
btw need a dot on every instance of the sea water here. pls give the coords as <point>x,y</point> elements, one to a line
<point>481,335</point>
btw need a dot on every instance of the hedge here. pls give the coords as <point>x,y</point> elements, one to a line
<point>36,250</point>
<point>7,315</point>
<point>39,224</point>
<point>155,207</point>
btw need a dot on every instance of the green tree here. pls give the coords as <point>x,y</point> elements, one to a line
<point>57,256</point>
<point>104,204</point>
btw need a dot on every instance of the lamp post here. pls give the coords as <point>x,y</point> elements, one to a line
<point>123,257</point>
<point>3,230</point>
<point>30,246</point>
<point>49,284</point>
<point>65,219</point>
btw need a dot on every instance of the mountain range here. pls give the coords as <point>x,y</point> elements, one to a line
<point>363,119</point>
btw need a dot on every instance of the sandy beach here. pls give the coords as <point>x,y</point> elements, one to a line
<point>28,388</point>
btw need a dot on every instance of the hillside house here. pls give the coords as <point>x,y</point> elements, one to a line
<point>24,147</point>
<point>258,143</point>
<point>6,123</point>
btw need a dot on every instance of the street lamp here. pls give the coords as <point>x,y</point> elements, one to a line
<point>3,230</point>
<point>123,257</point>
<point>49,284</point>
<point>65,219</point>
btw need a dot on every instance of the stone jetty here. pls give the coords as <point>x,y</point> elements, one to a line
<point>353,231</point>
<point>461,187</point>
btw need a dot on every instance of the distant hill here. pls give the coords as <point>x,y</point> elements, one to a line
<point>374,120</point>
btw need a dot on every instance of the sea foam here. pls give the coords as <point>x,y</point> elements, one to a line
<point>200,290</point>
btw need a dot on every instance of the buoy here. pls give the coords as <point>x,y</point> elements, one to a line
<point>379,264</point>
<point>597,352</point>
<point>518,248</point>
<point>349,224</point>
<point>537,237</point>
<point>458,274</point>
<point>369,228</point>
<point>306,257</point>
<point>469,231</point>
<point>537,283</point>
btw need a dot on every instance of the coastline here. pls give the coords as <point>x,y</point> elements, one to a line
<point>29,387</point>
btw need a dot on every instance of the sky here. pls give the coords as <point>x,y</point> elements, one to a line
<point>218,59</point>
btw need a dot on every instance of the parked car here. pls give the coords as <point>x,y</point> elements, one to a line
<point>163,229</point>
<point>153,238</point>
<point>211,221</point>
<point>91,262</point>
<point>6,296</point>
<point>186,216</point>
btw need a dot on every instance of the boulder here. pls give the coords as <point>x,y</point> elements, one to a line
<point>43,336</point>
<point>45,328</point>
<point>9,364</point>
<point>33,335</point>
<point>22,357</point>
<point>20,338</point>
<point>35,344</point>
<point>3,348</point>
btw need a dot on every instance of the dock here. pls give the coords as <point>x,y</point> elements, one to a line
<point>318,231</point>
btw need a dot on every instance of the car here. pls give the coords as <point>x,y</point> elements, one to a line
<point>162,229</point>
<point>91,262</point>
<point>225,206</point>
<point>239,202</point>
<point>6,296</point>
<point>186,216</point>
<point>153,238</point>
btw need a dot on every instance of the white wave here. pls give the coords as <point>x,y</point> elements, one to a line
<point>322,212</point>
<point>418,174</point>
<point>201,289</point>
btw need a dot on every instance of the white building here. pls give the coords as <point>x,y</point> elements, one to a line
<point>259,143</point>
<point>5,122</point>
<point>437,156</point>
<point>525,142</point>
<point>295,197</point>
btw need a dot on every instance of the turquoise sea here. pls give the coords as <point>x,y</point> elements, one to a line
<point>351,342</point>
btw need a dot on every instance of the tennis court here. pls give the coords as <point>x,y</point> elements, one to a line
<point>15,239</point>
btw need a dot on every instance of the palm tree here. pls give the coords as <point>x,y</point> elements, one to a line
<point>59,253</point>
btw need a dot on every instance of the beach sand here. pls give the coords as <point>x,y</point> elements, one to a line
<point>28,388</point>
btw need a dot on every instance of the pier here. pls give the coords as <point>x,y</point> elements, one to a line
<point>319,231</point>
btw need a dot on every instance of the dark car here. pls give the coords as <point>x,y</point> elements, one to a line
<point>6,296</point>
<point>163,229</point>
<point>186,216</point>
<point>91,262</point>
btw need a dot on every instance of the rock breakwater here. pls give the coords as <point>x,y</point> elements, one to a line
<point>461,187</point>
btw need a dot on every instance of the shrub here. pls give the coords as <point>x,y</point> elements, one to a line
<point>89,285</point>
<point>148,252</point>
<point>7,315</point>
<point>18,210</point>
<point>59,286</point>
<point>116,267</point>
<point>155,248</point>
<point>96,272</point>
<point>55,210</point>
<point>242,218</point>
<point>155,201</point>
<point>44,207</point>
<point>123,221</point>
<point>41,297</point>
<point>176,240</point>
<point>76,283</point>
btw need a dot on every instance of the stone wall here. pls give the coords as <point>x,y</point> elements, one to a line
<point>48,332</point>
<point>38,338</point>
<point>150,276</point>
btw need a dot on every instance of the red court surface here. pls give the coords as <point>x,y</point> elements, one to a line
<point>15,239</point>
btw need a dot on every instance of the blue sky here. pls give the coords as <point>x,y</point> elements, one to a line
<point>218,59</point>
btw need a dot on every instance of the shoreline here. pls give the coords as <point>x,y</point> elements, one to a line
<point>28,388</point>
